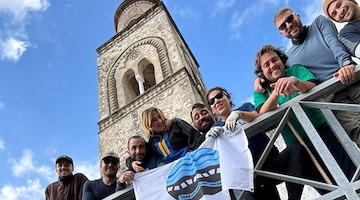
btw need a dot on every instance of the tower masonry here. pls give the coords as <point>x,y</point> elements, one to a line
<point>147,63</point>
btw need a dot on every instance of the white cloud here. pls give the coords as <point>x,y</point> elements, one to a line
<point>25,166</point>
<point>312,10</point>
<point>91,170</point>
<point>47,172</point>
<point>32,190</point>
<point>238,18</point>
<point>18,9</point>
<point>249,99</point>
<point>221,6</point>
<point>187,13</point>
<point>2,145</point>
<point>13,41</point>
<point>12,49</point>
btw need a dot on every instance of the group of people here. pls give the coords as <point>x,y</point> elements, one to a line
<point>77,186</point>
<point>317,53</point>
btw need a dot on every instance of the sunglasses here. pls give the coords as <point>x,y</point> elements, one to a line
<point>218,96</point>
<point>112,161</point>
<point>288,20</point>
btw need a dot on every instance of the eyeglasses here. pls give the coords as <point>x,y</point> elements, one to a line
<point>288,20</point>
<point>112,161</point>
<point>218,96</point>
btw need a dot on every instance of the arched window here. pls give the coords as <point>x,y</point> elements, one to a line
<point>149,76</point>
<point>148,73</point>
<point>131,87</point>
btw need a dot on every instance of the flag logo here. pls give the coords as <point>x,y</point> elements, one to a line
<point>195,175</point>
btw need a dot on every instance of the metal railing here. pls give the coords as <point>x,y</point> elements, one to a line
<point>342,188</point>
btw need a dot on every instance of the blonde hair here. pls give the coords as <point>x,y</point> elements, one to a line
<point>146,120</point>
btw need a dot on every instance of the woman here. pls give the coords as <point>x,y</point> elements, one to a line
<point>220,103</point>
<point>171,139</point>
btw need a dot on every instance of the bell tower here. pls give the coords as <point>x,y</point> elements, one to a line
<point>146,63</point>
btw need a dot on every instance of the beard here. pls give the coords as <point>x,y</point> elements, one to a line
<point>139,157</point>
<point>112,175</point>
<point>66,178</point>
<point>209,122</point>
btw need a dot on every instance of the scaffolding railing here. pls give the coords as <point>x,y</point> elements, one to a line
<point>342,188</point>
<point>317,98</point>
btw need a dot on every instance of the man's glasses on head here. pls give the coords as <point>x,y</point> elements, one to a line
<point>112,161</point>
<point>289,19</point>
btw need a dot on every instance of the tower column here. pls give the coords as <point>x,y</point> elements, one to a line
<point>140,81</point>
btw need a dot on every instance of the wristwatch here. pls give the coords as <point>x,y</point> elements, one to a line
<point>348,62</point>
<point>297,82</point>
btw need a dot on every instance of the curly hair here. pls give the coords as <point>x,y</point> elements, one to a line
<point>265,49</point>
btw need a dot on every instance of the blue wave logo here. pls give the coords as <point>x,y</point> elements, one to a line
<point>195,175</point>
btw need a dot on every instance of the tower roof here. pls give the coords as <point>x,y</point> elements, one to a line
<point>130,10</point>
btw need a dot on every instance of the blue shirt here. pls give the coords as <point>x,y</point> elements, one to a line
<point>350,36</point>
<point>96,190</point>
<point>321,52</point>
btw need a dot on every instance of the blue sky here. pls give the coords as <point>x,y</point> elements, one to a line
<point>48,79</point>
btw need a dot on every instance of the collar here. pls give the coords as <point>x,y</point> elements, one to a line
<point>302,36</point>
<point>354,21</point>
<point>66,179</point>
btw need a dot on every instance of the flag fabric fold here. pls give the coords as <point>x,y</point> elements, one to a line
<point>208,173</point>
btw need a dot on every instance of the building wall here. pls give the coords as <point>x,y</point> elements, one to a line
<point>178,82</point>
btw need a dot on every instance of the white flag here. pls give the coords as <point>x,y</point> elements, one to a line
<point>218,165</point>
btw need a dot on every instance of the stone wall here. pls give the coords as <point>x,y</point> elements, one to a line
<point>174,96</point>
<point>178,82</point>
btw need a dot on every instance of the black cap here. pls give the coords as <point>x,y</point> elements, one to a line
<point>64,157</point>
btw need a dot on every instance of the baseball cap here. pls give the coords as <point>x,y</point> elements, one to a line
<point>109,154</point>
<point>64,157</point>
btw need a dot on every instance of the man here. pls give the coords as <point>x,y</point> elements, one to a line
<point>204,120</point>
<point>202,117</point>
<point>138,151</point>
<point>317,48</point>
<point>68,186</point>
<point>106,185</point>
<point>284,83</point>
<point>346,11</point>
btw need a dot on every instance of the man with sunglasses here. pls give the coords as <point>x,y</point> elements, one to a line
<point>69,186</point>
<point>315,46</point>
<point>106,185</point>
<point>346,11</point>
<point>318,49</point>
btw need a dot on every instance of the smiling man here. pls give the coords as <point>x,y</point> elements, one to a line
<point>106,185</point>
<point>346,11</point>
<point>202,117</point>
<point>317,48</point>
<point>284,83</point>
<point>142,158</point>
<point>68,186</point>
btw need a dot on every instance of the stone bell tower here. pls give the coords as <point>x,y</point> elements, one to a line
<point>146,63</point>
